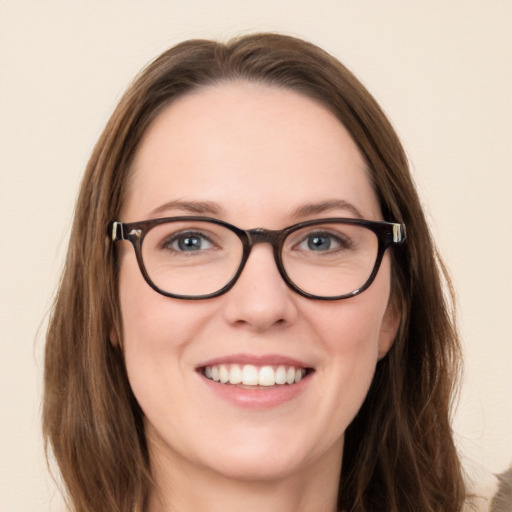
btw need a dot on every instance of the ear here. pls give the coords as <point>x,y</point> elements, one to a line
<point>389,328</point>
<point>115,338</point>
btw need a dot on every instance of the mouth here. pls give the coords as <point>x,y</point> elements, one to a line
<point>253,377</point>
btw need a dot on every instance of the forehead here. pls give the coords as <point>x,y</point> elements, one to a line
<point>247,146</point>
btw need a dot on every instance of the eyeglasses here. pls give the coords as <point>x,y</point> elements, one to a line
<point>200,258</point>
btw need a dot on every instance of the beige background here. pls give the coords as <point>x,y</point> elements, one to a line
<point>441,69</point>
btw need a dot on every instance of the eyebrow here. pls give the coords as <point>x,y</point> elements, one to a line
<point>325,206</point>
<point>196,207</point>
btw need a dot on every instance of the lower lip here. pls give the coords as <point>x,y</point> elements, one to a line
<point>258,398</point>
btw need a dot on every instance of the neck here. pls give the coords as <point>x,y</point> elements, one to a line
<point>184,487</point>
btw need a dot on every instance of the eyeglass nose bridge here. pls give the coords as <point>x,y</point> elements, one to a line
<point>262,235</point>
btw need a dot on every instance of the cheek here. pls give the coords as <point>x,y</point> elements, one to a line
<point>162,340</point>
<point>151,322</point>
<point>154,334</point>
<point>352,345</point>
<point>352,327</point>
<point>349,332</point>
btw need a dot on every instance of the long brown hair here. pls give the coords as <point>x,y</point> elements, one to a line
<point>399,453</point>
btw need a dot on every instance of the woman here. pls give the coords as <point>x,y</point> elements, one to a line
<point>190,366</point>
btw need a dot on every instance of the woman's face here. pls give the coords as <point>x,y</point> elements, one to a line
<point>254,156</point>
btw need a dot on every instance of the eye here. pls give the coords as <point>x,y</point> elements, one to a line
<point>322,241</point>
<point>188,241</point>
<point>318,242</point>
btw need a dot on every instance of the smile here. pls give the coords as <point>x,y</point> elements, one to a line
<point>251,375</point>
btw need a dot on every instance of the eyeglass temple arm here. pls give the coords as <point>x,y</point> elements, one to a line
<point>399,233</point>
<point>117,231</point>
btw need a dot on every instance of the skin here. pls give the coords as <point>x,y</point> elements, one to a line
<point>259,153</point>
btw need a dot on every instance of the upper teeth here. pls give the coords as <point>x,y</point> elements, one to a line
<point>250,375</point>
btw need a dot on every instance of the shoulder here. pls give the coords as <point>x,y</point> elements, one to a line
<point>490,493</point>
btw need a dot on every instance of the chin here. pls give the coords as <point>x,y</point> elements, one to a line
<point>261,468</point>
<point>274,457</point>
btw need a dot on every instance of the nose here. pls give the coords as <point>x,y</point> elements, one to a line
<point>260,299</point>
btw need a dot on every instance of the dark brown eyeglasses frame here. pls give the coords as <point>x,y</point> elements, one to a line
<point>388,234</point>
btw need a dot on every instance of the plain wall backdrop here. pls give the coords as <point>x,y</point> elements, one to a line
<point>442,70</point>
